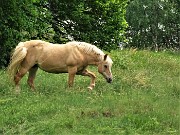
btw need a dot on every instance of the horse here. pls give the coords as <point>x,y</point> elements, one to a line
<point>72,58</point>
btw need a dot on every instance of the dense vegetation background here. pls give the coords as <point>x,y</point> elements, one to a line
<point>152,24</point>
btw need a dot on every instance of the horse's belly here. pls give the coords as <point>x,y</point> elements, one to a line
<point>54,68</point>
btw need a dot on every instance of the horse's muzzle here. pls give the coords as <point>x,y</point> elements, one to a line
<point>109,80</point>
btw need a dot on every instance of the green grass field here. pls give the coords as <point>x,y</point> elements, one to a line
<point>143,99</point>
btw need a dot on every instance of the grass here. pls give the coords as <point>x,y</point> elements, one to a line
<point>143,99</point>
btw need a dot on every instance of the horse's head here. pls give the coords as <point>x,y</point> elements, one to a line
<point>104,68</point>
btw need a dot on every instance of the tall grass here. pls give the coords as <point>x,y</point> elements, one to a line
<point>143,99</point>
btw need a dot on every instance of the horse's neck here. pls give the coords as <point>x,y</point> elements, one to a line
<point>94,60</point>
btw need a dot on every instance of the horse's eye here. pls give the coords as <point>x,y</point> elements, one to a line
<point>105,66</point>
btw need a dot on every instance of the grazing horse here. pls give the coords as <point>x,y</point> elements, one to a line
<point>72,58</point>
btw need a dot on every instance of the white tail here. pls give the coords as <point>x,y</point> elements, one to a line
<point>17,57</point>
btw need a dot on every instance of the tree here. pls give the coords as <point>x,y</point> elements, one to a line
<point>19,21</point>
<point>99,22</point>
<point>153,24</point>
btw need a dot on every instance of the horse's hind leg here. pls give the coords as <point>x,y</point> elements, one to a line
<point>92,76</point>
<point>31,77</point>
<point>18,77</point>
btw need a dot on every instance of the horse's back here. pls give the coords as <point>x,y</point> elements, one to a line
<point>57,58</point>
<point>33,43</point>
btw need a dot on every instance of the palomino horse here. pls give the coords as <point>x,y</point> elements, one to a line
<point>72,57</point>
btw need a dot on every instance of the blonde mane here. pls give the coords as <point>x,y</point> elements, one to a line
<point>87,48</point>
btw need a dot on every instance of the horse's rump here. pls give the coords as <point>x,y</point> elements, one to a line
<point>18,55</point>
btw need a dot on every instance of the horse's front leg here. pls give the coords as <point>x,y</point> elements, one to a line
<point>92,76</point>
<point>72,72</point>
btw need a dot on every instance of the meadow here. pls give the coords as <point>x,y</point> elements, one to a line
<point>143,99</point>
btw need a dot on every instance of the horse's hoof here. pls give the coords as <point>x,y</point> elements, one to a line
<point>33,89</point>
<point>90,88</point>
<point>17,90</point>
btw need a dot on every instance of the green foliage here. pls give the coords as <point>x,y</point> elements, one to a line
<point>20,21</point>
<point>142,99</point>
<point>153,24</point>
<point>99,22</point>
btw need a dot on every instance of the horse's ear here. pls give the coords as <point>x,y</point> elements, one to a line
<point>105,56</point>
